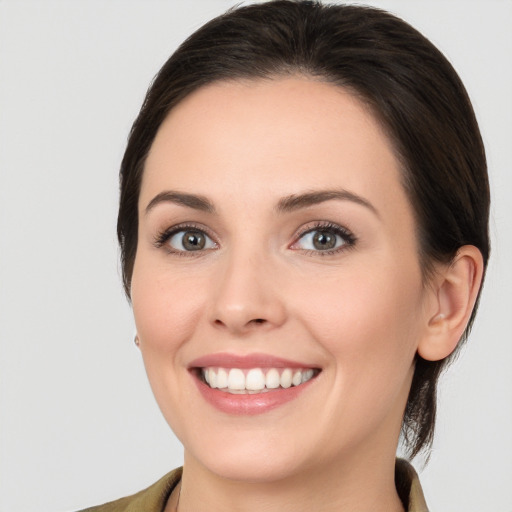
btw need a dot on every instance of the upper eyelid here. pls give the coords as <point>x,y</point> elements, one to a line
<point>326,225</point>
<point>184,226</point>
<point>163,235</point>
<point>342,231</point>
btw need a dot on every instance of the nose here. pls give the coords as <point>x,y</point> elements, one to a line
<point>247,297</point>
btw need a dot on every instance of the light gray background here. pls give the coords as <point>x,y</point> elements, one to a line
<point>78,423</point>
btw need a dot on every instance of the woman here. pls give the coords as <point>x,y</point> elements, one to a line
<point>303,226</point>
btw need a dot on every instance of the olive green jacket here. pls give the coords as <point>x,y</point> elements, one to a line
<point>154,498</point>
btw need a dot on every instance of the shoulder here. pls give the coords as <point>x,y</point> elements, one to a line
<point>152,499</point>
<point>408,487</point>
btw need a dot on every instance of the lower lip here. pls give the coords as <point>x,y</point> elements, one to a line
<point>249,404</point>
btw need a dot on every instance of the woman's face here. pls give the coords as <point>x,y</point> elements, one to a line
<point>277,248</point>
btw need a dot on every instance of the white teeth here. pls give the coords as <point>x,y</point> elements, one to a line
<point>307,375</point>
<point>272,380</point>
<point>222,378</point>
<point>236,379</point>
<point>254,380</point>
<point>286,378</point>
<point>212,376</point>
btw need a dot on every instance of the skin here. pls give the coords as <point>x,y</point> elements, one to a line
<point>360,313</point>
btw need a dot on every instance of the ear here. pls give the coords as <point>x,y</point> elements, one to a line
<point>455,289</point>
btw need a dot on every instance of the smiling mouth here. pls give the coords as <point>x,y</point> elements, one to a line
<point>255,380</point>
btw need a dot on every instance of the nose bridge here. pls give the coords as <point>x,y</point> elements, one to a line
<point>246,294</point>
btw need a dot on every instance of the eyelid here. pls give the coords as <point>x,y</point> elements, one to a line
<point>347,235</point>
<point>163,236</point>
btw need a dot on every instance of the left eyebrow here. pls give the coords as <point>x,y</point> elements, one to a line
<point>188,200</point>
<point>297,201</point>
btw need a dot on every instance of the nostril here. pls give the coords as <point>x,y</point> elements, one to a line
<point>239,324</point>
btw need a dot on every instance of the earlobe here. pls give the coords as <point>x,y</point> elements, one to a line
<point>455,288</point>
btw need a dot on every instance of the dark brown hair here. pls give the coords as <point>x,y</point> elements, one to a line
<point>406,82</point>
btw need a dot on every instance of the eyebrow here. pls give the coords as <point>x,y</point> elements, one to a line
<point>298,201</point>
<point>286,204</point>
<point>196,202</point>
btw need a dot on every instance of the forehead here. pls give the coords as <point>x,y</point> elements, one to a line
<point>267,138</point>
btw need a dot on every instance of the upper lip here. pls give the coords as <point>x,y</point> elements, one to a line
<point>256,360</point>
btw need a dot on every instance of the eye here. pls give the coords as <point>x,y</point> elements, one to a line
<point>324,238</point>
<point>191,240</point>
<point>186,239</point>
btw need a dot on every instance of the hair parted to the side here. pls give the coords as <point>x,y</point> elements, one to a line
<point>407,83</point>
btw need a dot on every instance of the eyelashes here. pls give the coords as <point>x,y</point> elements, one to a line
<point>324,238</point>
<point>185,240</point>
<point>321,238</point>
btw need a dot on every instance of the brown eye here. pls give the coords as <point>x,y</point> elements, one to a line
<point>323,240</point>
<point>190,240</point>
<point>193,241</point>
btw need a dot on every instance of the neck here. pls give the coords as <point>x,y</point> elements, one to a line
<point>357,484</point>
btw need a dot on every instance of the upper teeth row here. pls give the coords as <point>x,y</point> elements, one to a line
<point>255,379</point>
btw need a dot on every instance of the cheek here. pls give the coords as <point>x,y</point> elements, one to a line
<point>166,305</point>
<point>365,320</point>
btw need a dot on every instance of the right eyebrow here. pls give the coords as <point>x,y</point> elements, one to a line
<point>298,201</point>
<point>189,200</point>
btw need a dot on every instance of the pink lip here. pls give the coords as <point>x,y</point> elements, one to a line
<point>226,360</point>
<point>249,404</point>
<point>246,404</point>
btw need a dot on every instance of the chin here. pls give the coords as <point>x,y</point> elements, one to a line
<point>251,471</point>
<point>250,463</point>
